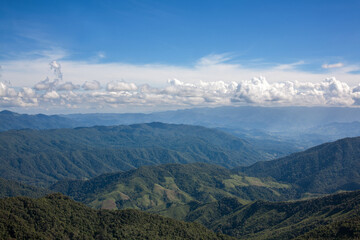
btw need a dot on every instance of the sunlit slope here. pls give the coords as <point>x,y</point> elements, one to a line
<point>171,189</point>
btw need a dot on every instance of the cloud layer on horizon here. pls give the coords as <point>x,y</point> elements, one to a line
<point>119,94</point>
<point>257,91</point>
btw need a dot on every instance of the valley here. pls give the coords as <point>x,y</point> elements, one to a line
<point>220,179</point>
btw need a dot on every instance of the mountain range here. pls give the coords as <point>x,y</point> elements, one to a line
<point>56,216</point>
<point>283,130</point>
<point>224,178</point>
<point>42,157</point>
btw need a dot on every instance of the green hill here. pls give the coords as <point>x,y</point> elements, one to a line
<point>331,217</point>
<point>171,189</point>
<point>44,156</point>
<point>322,169</point>
<point>58,217</point>
<point>10,188</point>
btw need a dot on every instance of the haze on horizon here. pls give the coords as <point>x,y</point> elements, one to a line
<point>141,56</point>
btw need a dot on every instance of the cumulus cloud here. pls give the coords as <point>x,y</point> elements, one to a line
<point>335,65</point>
<point>120,86</point>
<point>9,97</point>
<point>177,93</point>
<point>213,81</point>
<point>51,95</point>
<point>91,85</point>
<point>68,86</point>
<point>46,84</point>
<point>56,67</point>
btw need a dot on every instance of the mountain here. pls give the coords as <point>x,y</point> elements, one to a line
<point>172,189</point>
<point>296,127</point>
<point>44,156</point>
<point>11,120</point>
<point>326,168</point>
<point>12,189</point>
<point>268,119</point>
<point>331,217</point>
<point>193,193</point>
<point>277,131</point>
<point>273,119</point>
<point>58,217</point>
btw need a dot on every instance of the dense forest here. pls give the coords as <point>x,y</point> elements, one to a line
<point>58,217</point>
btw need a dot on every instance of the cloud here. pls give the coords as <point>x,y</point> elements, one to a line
<point>212,81</point>
<point>211,68</point>
<point>68,86</point>
<point>120,86</point>
<point>178,94</point>
<point>101,55</point>
<point>46,84</point>
<point>56,67</point>
<point>335,65</point>
<point>213,59</point>
<point>51,95</point>
<point>9,97</point>
<point>3,89</point>
<point>91,85</point>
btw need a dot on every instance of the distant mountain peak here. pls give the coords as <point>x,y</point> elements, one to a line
<point>7,112</point>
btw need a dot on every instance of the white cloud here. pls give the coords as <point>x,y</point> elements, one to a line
<point>56,67</point>
<point>211,68</point>
<point>257,91</point>
<point>120,86</point>
<point>68,86</point>
<point>213,81</point>
<point>213,59</point>
<point>91,85</point>
<point>46,84</point>
<point>51,95</point>
<point>335,65</point>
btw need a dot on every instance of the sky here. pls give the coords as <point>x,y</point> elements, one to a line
<point>141,56</point>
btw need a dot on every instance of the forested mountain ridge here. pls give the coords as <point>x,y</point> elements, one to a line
<point>11,120</point>
<point>330,217</point>
<point>171,189</point>
<point>58,217</point>
<point>324,217</point>
<point>10,188</point>
<point>44,156</point>
<point>326,168</point>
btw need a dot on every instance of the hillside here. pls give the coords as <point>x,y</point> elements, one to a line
<point>10,188</point>
<point>331,217</point>
<point>11,120</point>
<point>171,189</point>
<point>322,169</point>
<point>44,156</point>
<point>58,217</point>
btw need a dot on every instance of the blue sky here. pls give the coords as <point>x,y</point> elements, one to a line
<point>306,41</point>
<point>180,32</point>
